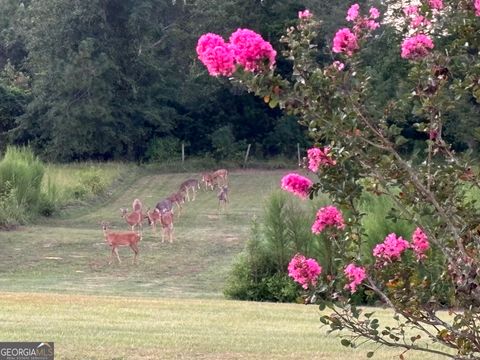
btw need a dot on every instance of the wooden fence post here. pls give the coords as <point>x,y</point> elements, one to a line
<point>246,155</point>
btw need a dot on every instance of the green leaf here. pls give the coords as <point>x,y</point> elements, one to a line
<point>346,342</point>
<point>370,354</point>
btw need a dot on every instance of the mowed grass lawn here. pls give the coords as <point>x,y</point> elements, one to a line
<point>56,285</point>
<point>100,327</point>
<point>69,254</point>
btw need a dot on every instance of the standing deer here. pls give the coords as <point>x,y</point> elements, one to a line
<point>208,180</point>
<point>116,239</point>
<point>165,219</point>
<point>221,174</point>
<point>187,185</point>
<point>178,199</point>
<point>133,219</point>
<point>164,205</point>
<point>222,197</point>
<point>137,206</point>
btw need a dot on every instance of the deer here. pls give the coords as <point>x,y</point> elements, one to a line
<point>178,199</point>
<point>137,206</point>
<point>222,197</point>
<point>165,219</point>
<point>164,205</point>
<point>208,180</point>
<point>221,174</point>
<point>116,239</point>
<point>133,219</point>
<point>187,185</point>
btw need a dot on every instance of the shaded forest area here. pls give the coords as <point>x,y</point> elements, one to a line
<point>119,79</point>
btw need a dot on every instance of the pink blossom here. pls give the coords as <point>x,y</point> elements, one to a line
<point>392,248</point>
<point>420,243</point>
<point>352,13</point>
<point>250,50</point>
<point>416,47</point>
<point>345,41</point>
<point>304,271</point>
<point>317,157</point>
<point>372,24</point>
<point>305,14</point>
<point>436,4</point>
<point>410,10</point>
<point>338,65</point>
<point>296,184</point>
<point>215,54</point>
<point>374,13</point>
<point>418,21</point>
<point>476,4</point>
<point>355,274</point>
<point>328,216</point>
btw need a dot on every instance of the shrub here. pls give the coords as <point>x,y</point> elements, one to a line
<point>164,149</point>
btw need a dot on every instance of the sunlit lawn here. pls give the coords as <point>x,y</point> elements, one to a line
<point>99,327</point>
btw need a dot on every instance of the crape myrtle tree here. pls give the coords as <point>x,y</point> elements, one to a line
<point>359,148</point>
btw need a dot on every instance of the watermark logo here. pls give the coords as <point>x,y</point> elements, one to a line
<point>26,351</point>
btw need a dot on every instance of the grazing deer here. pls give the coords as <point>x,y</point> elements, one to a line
<point>116,239</point>
<point>164,205</point>
<point>165,219</point>
<point>209,180</point>
<point>187,185</point>
<point>222,197</point>
<point>133,219</point>
<point>221,174</point>
<point>178,199</point>
<point>137,206</point>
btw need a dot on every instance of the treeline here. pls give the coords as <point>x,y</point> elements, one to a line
<point>119,79</point>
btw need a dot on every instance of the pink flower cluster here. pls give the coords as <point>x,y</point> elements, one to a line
<point>346,40</point>
<point>436,4</point>
<point>420,243</point>
<point>328,216</point>
<point>305,14</point>
<point>317,157</point>
<point>338,65</point>
<point>304,271</point>
<point>296,184</point>
<point>353,12</point>
<point>355,274</point>
<point>251,50</point>
<point>246,48</point>
<point>416,19</point>
<point>416,47</point>
<point>215,54</point>
<point>392,248</point>
<point>476,4</point>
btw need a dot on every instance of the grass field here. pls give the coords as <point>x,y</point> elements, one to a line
<point>55,284</point>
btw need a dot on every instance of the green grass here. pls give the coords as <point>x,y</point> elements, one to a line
<point>55,284</point>
<point>68,254</point>
<point>99,327</point>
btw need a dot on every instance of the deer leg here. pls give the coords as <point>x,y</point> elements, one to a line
<point>111,256</point>
<point>115,250</point>
<point>136,251</point>
<point>170,233</point>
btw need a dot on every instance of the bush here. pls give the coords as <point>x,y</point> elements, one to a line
<point>21,170</point>
<point>164,149</point>
<point>259,273</point>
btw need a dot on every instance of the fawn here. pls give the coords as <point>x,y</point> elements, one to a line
<point>165,219</point>
<point>116,239</point>
<point>187,185</point>
<point>223,197</point>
